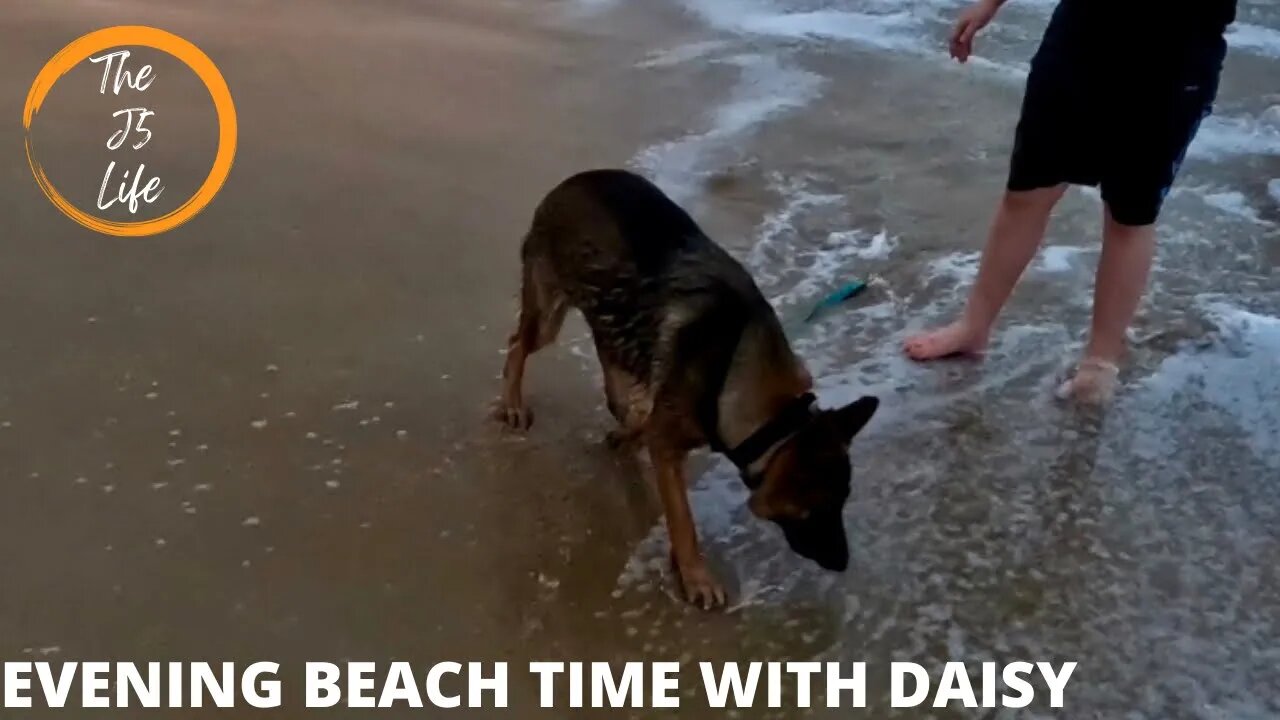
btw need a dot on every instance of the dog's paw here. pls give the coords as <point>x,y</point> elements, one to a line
<point>516,417</point>
<point>621,439</point>
<point>701,588</point>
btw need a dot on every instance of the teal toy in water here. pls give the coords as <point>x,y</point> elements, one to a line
<point>844,293</point>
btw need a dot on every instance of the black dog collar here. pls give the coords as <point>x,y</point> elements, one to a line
<point>793,416</point>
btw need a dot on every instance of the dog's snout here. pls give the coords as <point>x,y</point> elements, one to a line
<point>821,539</point>
<point>836,561</point>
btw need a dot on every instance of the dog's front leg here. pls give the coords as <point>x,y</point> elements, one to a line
<point>630,402</point>
<point>699,587</point>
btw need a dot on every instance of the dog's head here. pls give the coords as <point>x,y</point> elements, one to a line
<point>806,483</point>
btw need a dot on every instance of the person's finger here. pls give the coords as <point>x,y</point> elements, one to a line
<point>956,38</point>
<point>965,42</point>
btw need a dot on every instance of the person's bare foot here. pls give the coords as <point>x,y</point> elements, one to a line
<point>1093,383</point>
<point>958,338</point>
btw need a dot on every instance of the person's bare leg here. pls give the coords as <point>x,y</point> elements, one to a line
<point>1123,269</point>
<point>1015,236</point>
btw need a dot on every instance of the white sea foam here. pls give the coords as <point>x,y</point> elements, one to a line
<point>865,246</point>
<point>1017,353</point>
<point>893,31</point>
<point>959,268</point>
<point>682,54</point>
<point>1058,258</point>
<point>777,227</point>
<point>1254,39</point>
<point>1236,374</point>
<point>887,25</point>
<point>1273,187</point>
<point>764,89</point>
<point>900,30</point>
<point>832,264</point>
<point>1221,137</point>
<point>1012,72</point>
<point>819,268</point>
<point>1233,203</point>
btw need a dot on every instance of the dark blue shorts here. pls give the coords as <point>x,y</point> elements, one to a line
<point>1103,109</point>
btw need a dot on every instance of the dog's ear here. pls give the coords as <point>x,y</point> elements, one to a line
<point>853,417</point>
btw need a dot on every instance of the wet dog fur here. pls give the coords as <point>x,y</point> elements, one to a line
<point>692,355</point>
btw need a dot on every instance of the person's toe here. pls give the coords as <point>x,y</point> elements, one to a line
<point>918,349</point>
<point>920,346</point>
<point>1093,383</point>
<point>932,345</point>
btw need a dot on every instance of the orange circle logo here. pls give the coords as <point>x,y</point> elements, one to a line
<point>200,64</point>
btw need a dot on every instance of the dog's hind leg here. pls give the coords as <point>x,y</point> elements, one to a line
<point>542,310</point>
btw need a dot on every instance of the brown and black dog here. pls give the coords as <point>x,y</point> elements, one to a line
<point>692,355</point>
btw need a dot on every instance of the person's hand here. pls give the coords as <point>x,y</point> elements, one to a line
<point>972,20</point>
